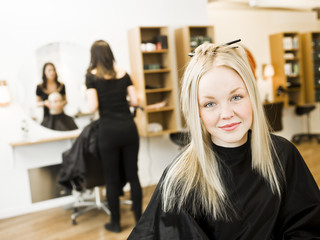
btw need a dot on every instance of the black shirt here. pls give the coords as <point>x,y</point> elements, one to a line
<point>43,94</point>
<point>112,96</point>
<point>261,214</point>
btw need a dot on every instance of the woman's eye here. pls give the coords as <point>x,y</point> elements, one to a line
<point>210,104</point>
<point>237,97</point>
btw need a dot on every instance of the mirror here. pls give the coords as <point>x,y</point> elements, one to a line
<point>71,62</point>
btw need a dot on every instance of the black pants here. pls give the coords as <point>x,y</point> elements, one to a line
<point>118,148</point>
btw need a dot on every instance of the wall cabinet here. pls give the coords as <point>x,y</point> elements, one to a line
<point>311,60</point>
<point>286,58</point>
<point>187,39</point>
<point>151,71</point>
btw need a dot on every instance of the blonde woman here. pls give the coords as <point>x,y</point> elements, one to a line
<point>234,180</point>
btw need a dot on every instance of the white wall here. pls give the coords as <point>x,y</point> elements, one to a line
<point>253,26</point>
<point>28,25</point>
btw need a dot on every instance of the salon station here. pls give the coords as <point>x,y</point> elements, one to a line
<point>152,40</point>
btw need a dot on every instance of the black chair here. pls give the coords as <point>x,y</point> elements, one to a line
<point>87,191</point>
<point>82,173</point>
<point>301,110</point>
<point>180,138</point>
<point>273,113</point>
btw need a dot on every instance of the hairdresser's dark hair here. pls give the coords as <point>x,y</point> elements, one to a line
<point>44,77</point>
<point>102,59</point>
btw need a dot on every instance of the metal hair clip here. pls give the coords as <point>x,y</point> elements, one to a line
<point>232,42</point>
<point>191,54</point>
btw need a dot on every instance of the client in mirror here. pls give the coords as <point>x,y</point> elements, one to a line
<point>53,115</point>
<point>57,119</point>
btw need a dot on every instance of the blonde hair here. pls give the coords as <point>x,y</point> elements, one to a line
<point>194,177</point>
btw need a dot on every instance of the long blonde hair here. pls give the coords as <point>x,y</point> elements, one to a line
<point>194,177</point>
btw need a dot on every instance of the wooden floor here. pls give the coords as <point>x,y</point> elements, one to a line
<point>56,223</point>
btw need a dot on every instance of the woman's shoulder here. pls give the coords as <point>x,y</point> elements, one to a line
<point>284,148</point>
<point>281,144</point>
<point>279,140</point>
<point>90,75</point>
<point>61,87</point>
<point>120,72</point>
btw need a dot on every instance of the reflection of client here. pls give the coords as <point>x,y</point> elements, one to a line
<point>49,84</point>
<point>57,119</point>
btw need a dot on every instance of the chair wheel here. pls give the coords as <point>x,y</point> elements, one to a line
<point>74,222</point>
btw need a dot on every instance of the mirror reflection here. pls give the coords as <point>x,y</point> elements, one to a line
<point>51,86</point>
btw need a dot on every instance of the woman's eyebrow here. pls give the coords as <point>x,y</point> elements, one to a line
<point>207,97</point>
<point>236,89</point>
<point>211,97</point>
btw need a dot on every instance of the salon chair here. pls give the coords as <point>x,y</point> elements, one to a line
<point>180,138</point>
<point>300,111</point>
<point>273,113</point>
<point>82,174</point>
<point>87,191</point>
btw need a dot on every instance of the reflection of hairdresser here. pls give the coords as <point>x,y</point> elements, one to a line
<point>57,119</point>
<point>49,84</point>
<point>108,87</point>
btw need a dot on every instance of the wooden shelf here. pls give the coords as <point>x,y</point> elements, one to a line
<point>153,85</point>
<point>40,140</point>
<point>158,90</point>
<point>155,51</point>
<point>286,58</point>
<point>160,109</point>
<point>311,59</point>
<point>150,71</point>
<point>184,37</point>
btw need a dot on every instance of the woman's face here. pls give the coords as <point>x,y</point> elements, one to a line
<point>56,103</point>
<point>50,72</point>
<point>225,107</point>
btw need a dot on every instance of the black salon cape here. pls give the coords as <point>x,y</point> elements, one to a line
<point>60,122</point>
<point>85,148</point>
<point>262,215</point>
<point>73,160</point>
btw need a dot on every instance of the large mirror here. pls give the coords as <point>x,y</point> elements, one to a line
<point>71,62</point>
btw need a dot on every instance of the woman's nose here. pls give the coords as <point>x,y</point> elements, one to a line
<point>226,111</point>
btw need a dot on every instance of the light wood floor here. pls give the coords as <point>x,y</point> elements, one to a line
<point>56,223</point>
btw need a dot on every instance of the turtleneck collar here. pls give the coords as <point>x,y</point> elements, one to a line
<point>233,155</point>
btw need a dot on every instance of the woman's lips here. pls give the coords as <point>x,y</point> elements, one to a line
<point>230,127</point>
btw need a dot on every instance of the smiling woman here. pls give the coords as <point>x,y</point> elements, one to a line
<point>70,61</point>
<point>227,111</point>
<point>235,179</point>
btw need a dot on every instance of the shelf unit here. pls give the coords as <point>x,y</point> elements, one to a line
<point>286,58</point>
<point>311,60</point>
<point>187,39</point>
<point>151,71</point>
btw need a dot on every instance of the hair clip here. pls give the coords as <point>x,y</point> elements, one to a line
<point>191,54</point>
<point>232,42</point>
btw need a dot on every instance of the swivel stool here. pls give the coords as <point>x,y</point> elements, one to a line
<point>301,110</point>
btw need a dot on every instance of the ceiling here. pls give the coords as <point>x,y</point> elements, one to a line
<point>275,4</point>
